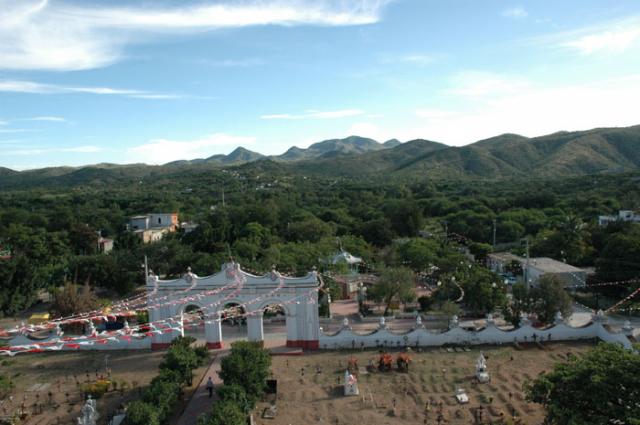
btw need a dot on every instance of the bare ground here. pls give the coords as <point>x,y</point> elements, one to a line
<point>423,393</point>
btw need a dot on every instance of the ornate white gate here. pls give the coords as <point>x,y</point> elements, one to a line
<point>297,295</point>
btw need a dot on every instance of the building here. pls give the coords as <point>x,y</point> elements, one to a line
<point>566,273</point>
<point>188,226</point>
<point>152,227</point>
<point>105,245</point>
<point>623,215</point>
<point>498,262</point>
<point>538,266</point>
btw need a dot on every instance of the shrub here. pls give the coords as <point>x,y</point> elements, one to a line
<point>141,413</point>
<point>97,388</point>
<point>247,366</point>
<point>225,413</point>
<point>236,394</point>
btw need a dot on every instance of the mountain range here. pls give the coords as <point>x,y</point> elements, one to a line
<point>602,150</point>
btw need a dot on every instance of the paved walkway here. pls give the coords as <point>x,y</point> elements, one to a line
<point>200,403</point>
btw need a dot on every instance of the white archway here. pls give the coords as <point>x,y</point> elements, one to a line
<point>297,295</point>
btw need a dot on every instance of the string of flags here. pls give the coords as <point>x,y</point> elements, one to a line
<point>168,325</point>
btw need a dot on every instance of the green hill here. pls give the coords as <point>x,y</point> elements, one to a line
<point>563,154</point>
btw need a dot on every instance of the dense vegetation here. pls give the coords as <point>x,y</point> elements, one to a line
<point>48,235</point>
<point>598,388</point>
<point>160,397</point>
<point>244,373</point>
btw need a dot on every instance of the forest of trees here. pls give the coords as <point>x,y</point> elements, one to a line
<point>48,236</point>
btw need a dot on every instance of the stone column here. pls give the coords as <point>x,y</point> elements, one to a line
<point>160,341</point>
<point>213,330</point>
<point>292,327</point>
<point>255,332</point>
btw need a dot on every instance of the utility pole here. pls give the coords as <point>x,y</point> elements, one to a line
<point>494,232</point>
<point>223,204</point>
<point>146,268</point>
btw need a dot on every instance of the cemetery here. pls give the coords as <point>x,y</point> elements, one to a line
<point>323,387</point>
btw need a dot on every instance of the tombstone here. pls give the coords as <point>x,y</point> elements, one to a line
<point>350,384</point>
<point>89,414</point>
<point>558,319</point>
<point>454,322</point>
<point>382,323</point>
<point>482,373</point>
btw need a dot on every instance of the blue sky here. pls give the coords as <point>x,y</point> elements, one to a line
<point>84,82</point>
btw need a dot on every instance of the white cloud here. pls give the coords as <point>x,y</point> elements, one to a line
<point>161,151</point>
<point>312,114</point>
<point>33,87</point>
<point>608,37</point>
<point>46,118</point>
<point>518,12</point>
<point>533,110</point>
<point>434,113</point>
<point>615,41</point>
<point>41,151</point>
<point>43,35</point>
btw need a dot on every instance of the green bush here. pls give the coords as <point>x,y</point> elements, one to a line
<point>97,388</point>
<point>247,366</point>
<point>235,394</point>
<point>141,413</point>
<point>225,413</point>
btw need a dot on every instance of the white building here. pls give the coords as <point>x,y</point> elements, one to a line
<point>623,215</point>
<point>538,266</point>
<point>566,273</point>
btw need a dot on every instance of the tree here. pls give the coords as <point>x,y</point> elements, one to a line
<point>600,387</point>
<point>181,358</point>
<point>247,366</point>
<point>483,291</point>
<point>142,413</point>
<point>225,413</point>
<point>518,305</point>
<point>235,394</point>
<point>395,284</point>
<point>619,258</point>
<point>549,297</point>
<point>72,300</point>
<point>450,309</point>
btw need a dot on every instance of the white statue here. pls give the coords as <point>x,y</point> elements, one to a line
<point>382,323</point>
<point>350,384</point>
<point>481,369</point>
<point>89,413</point>
<point>91,329</point>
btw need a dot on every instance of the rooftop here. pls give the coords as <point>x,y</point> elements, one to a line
<point>505,257</point>
<point>549,265</point>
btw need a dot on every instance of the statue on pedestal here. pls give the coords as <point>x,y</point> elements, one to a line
<point>350,384</point>
<point>89,414</point>
<point>482,373</point>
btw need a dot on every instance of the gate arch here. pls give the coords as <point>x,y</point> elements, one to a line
<point>297,295</point>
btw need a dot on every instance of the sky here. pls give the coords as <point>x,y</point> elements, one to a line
<point>87,81</point>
